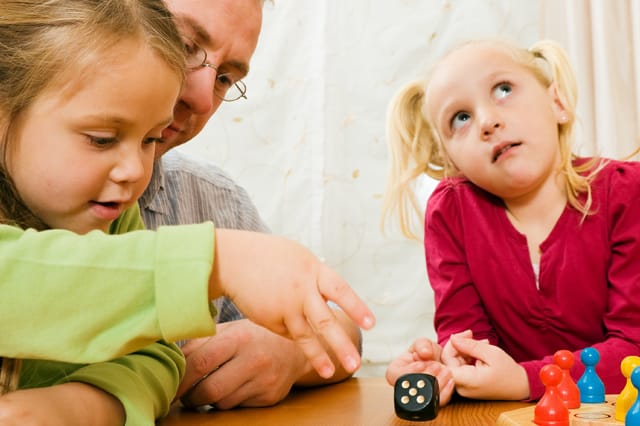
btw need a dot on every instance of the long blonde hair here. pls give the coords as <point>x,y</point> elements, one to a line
<point>46,43</point>
<point>414,147</point>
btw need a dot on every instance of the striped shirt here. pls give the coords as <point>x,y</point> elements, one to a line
<point>185,190</point>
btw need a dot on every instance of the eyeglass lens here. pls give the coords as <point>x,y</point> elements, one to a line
<point>227,87</point>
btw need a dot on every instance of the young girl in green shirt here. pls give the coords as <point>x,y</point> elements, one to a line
<point>86,88</point>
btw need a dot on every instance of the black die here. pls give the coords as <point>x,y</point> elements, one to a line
<point>416,397</point>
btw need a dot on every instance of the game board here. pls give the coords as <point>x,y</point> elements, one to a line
<point>587,415</point>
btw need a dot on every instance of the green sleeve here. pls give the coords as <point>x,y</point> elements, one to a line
<point>145,382</point>
<point>95,297</point>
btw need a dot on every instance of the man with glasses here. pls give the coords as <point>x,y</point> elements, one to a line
<point>243,364</point>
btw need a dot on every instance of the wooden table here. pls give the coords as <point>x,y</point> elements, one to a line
<point>354,402</point>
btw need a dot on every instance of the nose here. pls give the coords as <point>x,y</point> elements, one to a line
<point>131,164</point>
<point>197,93</point>
<point>490,121</point>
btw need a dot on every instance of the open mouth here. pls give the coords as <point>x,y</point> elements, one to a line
<point>110,204</point>
<point>106,210</point>
<point>105,206</point>
<point>504,149</point>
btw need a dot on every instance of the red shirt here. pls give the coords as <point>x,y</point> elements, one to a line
<point>589,280</point>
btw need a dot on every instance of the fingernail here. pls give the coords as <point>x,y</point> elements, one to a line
<point>351,364</point>
<point>368,322</point>
<point>326,371</point>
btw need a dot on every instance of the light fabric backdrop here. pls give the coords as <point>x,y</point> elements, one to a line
<point>309,142</point>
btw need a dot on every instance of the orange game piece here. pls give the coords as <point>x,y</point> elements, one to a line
<point>550,410</point>
<point>567,389</point>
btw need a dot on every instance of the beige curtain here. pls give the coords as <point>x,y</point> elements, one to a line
<point>603,40</point>
<point>309,143</point>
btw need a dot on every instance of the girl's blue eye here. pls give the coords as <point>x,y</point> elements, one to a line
<point>503,90</point>
<point>459,120</point>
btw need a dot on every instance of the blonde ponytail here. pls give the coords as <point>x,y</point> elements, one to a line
<point>413,150</point>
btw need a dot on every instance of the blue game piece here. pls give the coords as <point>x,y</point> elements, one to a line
<point>633,415</point>
<point>590,384</point>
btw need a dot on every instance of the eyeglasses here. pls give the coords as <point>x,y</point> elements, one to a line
<point>227,87</point>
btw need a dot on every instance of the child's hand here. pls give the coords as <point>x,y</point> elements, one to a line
<point>425,349</point>
<point>494,376</point>
<point>282,286</point>
<point>450,355</point>
<point>423,357</point>
<point>61,405</point>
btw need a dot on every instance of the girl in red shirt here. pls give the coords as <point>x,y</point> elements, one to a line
<point>529,249</point>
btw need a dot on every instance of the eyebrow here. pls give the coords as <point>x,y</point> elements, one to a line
<point>118,120</point>
<point>203,35</point>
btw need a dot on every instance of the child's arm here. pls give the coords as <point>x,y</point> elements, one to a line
<point>144,382</point>
<point>160,281</point>
<point>69,404</point>
<point>292,295</point>
<point>102,296</point>
<point>458,305</point>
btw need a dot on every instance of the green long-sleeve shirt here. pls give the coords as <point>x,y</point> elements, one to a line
<point>93,298</point>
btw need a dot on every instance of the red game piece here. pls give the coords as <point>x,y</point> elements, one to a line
<point>550,410</point>
<point>567,388</point>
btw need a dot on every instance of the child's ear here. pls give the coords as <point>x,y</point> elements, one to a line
<point>562,116</point>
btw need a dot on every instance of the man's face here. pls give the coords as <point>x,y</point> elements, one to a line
<point>228,31</point>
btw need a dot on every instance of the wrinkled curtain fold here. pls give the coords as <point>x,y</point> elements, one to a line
<point>309,142</point>
<point>603,40</point>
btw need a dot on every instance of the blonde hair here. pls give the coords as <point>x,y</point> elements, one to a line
<point>45,44</point>
<point>415,148</point>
